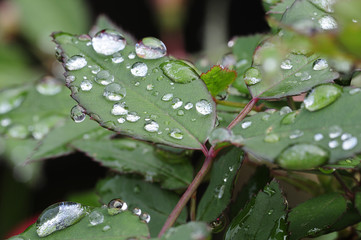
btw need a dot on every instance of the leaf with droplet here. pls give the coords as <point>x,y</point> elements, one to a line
<point>182,118</point>
<point>219,190</point>
<point>191,230</point>
<point>336,134</point>
<point>218,79</point>
<point>148,197</point>
<point>130,156</point>
<point>260,216</point>
<point>118,227</point>
<point>314,215</point>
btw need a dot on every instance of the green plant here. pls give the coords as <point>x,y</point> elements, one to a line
<point>159,113</point>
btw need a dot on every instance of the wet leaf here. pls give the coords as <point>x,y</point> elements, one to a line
<point>130,156</point>
<point>219,191</point>
<point>259,218</point>
<point>313,216</point>
<point>218,79</point>
<point>337,134</point>
<point>145,100</point>
<point>191,230</point>
<point>148,197</point>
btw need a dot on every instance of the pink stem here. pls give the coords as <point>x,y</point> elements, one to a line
<point>243,113</point>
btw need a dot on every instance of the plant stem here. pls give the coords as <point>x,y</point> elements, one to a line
<point>193,206</point>
<point>291,103</point>
<point>348,192</point>
<point>243,113</point>
<point>231,104</point>
<point>189,192</point>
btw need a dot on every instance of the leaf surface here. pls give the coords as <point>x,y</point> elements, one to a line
<point>191,230</point>
<point>218,79</point>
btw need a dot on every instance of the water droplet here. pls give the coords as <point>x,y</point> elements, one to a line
<point>69,79</point>
<point>150,48</point>
<point>95,218</point>
<point>151,126</point>
<point>333,144</point>
<point>95,69</point>
<point>322,96</point>
<point>150,87</point>
<point>228,61</point>
<point>139,69</point>
<point>252,76</point>
<point>119,109</point>
<point>219,191</point>
<point>77,113</point>
<point>327,23</point>
<point>289,118</point>
<point>117,58</point>
<point>220,135</point>
<point>121,120</point>
<point>266,117</point>
<point>302,156</point>
<point>188,106</point>
<point>313,231</point>
<point>167,97</point>
<point>86,85</point>
<point>269,191</point>
<point>145,217</point>
<point>5,122</point>
<point>116,206</point>
<point>271,138</point>
<point>180,113</point>
<point>326,5</point>
<point>296,134</point>
<point>18,131</point>
<point>176,103</point>
<point>49,86</point>
<point>132,117</point>
<point>286,64</point>
<point>137,211</point>
<point>246,124</point>
<point>59,216</point>
<point>106,228</point>
<point>270,212</point>
<point>217,225</point>
<point>176,134</point>
<point>11,99</point>
<point>178,71</point>
<point>108,42</point>
<point>76,62</point>
<point>353,91</point>
<point>131,55</point>
<point>285,110</point>
<point>320,64</point>
<point>335,131</point>
<point>305,76</point>
<point>204,107</point>
<point>318,137</point>
<point>104,77</point>
<point>349,143</point>
<point>114,92</point>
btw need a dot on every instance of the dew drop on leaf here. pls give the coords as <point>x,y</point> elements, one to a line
<point>95,69</point>
<point>139,69</point>
<point>150,48</point>
<point>286,64</point>
<point>86,85</point>
<point>176,103</point>
<point>327,23</point>
<point>271,138</point>
<point>318,137</point>
<point>49,86</point>
<point>11,99</point>
<point>302,156</point>
<point>333,144</point>
<point>108,42</point>
<point>349,143</point>
<point>335,131</point>
<point>96,218</point>
<point>320,64</point>
<point>59,216</point>
<point>106,228</point>
<point>204,107</point>
<point>116,206</point>
<point>246,124</point>
<point>179,71</point>
<point>69,79</point>
<point>103,77</point>
<point>151,126</point>
<point>132,117</point>
<point>119,109</point>
<point>121,120</point>
<point>176,134</point>
<point>218,225</point>
<point>137,211</point>
<point>285,110</point>
<point>220,135</point>
<point>76,62</point>
<point>167,97</point>
<point>269,191</point>
<point>219,191</point>
<point>18,131</point>
<point>145,217</point>
<point>289,118</point>
<point>114,92</point>
<point>252,76</point>
<point>353,91</point>
<point>117,58</point>
<point>131,55</point>
<point>188,106</point>
<point>326,5</point>
<point>77,113</point>
<point>322,96</point>
<point>296,134</point>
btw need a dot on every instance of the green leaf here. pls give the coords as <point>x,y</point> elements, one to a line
<point>130,156</point>
<point>191,230</point>
<point>148,197</point>
<point>219,191</point>
<point>167,121</point>
<point>260,216</point>
<point>122,227</point>
<point>315,215</point>
<point>333,129</point>
<point>218,79</point>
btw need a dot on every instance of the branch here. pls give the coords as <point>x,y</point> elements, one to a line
<point>243,113</point>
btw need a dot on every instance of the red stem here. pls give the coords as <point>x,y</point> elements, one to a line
<point>243,113</point>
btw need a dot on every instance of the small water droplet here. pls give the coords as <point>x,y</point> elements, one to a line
<point>318,137</point>
<point>220,135</point>
<point>103,77</point>
<point>137,211</point>
<point>246,124</point>
<point>289,118</point>
<point>95,69</point>
<point>320,64</point>
<point>114,92</point>
<point>176,103</point>
<point>77,113</point>
<point>180,113</point>
<point>322,96</point>
<point>252,76</point>
<point>5,122</point>
<point>150,87</point>
<point>131,55</point>
<point>151,126</point>
<point>327,23</point>
<point>345,136</point>
<point>285,110</point>
<point>204,107</point>
<point>49,86</point>
<point>18,131</point>
<point>219,191</point>
<point>119,109</point>
<point>188,106</point>
<point>167,97</point>
<point>217,226</point>
<point>132,117</point>
<point>69,79</point>
<point>106,228</point>
<point>117,58</point>
<point>349,143</point>
<point>333,144</point>
<point>335,131</point>
<point>116,206</point>
<point>150,48</point>
<point>59,216</point>
<point>271,138</point>
<point>121,120</point>
<point>145,217</point>
<point>76,62</point>
<point>176,134</point>
<point>313,231</point>
<point>286,64</point>
<point>178,71</point>
<point>353,91</point>
<point>86,85</point>
<point>305,76</point>
<point>139,69</point>
<point>108,42</point>
<point>296,134</point>
<point>269,191</point>
<point>266,117</point>
<point>270,212</point>
<point>96,218</point>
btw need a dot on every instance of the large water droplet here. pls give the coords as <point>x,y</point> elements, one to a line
<point>176,134</point>
<point>296,134</point>
<point>77,113</point>
<point>116,206</point>
<point>150,48</point>
<point>114,92</point>
<point>302,156</point>
<point>285,110</point>
<point>219,191</point>
<point>286,64</point>
<point>96,218</point>
<point>252,76</point>
<point>104,77</point>
<point>176,103</point>
<point>335,131</point>
<point>327,23</point>
<point>322,96</point>
<point>145,217</point>
<point>204,107</point>
<point>220,135</point>
<point>86,85</point>
<point>151,126</point>
<point>320,64</point>
<point>59,216</point>
<point>178,71</point>
<point>119,109</point>
<point>49,86</point>
<point>349,143</point>
<point>132,117</point>
<point>108,42</point>
<point>76,62</point>
<point>271,138</point>
<point>139,69</point>
<point>353,91</point>
<point>11,99</point>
